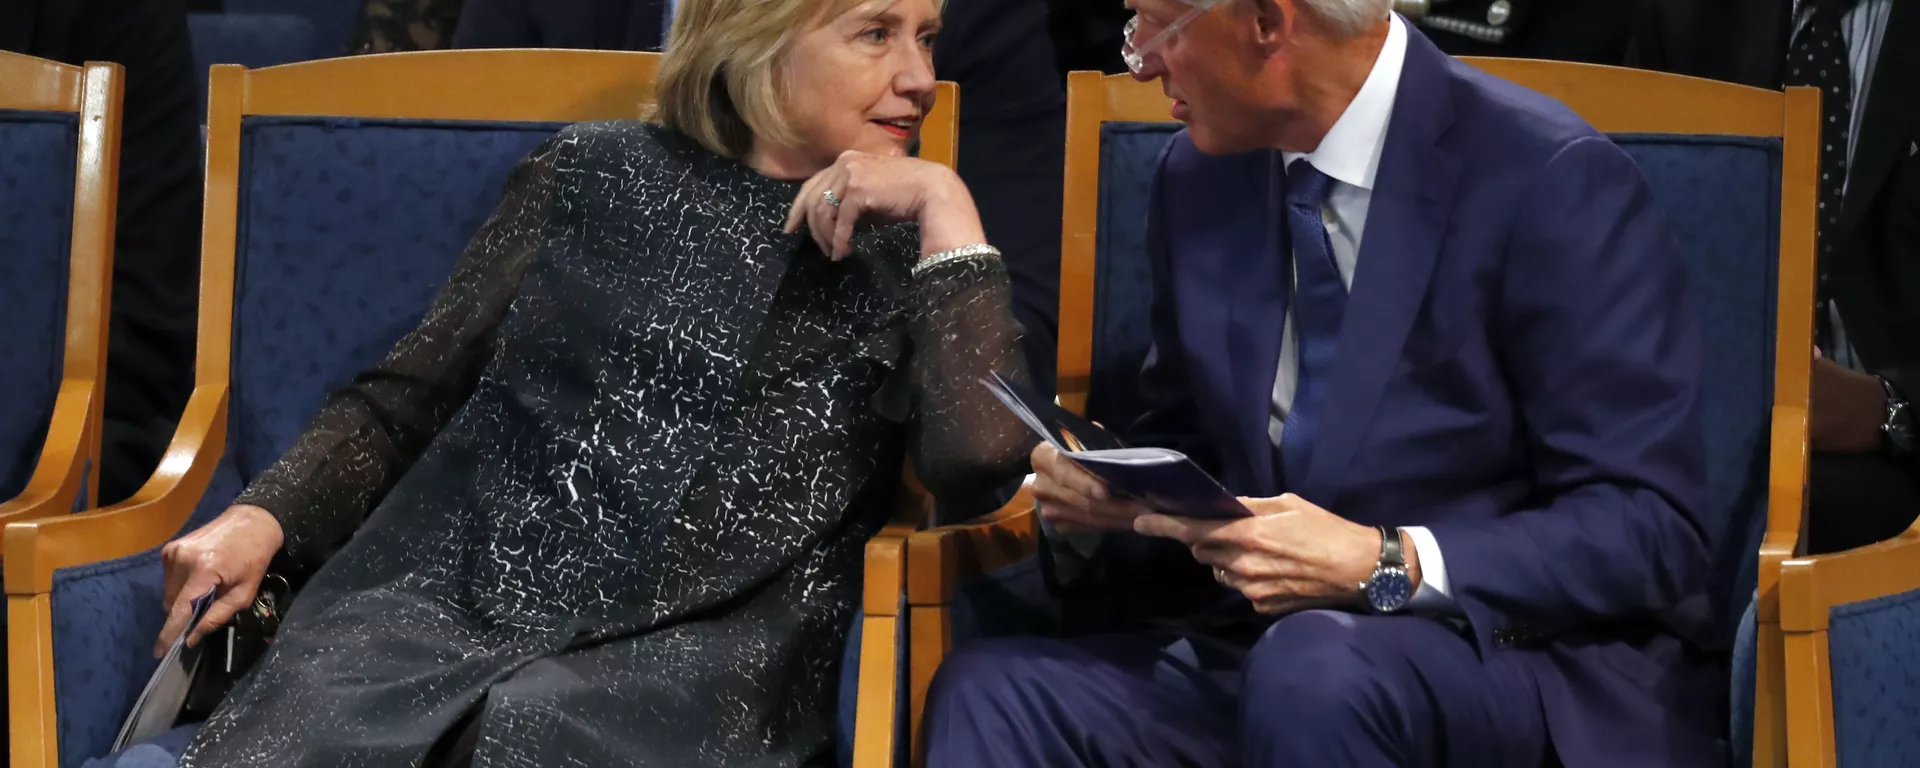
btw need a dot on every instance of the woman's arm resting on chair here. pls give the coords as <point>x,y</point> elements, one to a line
<point>369,433</point>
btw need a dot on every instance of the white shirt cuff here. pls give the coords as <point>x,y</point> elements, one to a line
<point>1434,594</point>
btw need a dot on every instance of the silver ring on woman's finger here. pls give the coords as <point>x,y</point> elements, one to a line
<point>832,199</point>
<point>1220,576</point>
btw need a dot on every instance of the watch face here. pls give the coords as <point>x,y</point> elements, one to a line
<point>1899,429</point>
<point>1389,590</point>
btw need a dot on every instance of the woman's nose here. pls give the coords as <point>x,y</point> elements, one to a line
<point>915,77</point>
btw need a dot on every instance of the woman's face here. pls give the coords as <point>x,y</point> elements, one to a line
<point>862,81</point>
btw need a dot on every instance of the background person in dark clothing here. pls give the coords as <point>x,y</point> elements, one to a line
<point>1592,31</point>
<point>1864,55</point>
<point>1012,118</point>
<point>156,260</point>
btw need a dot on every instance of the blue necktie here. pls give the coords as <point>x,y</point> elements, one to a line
<point>1318,307</point>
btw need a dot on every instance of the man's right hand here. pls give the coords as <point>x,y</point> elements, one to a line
<point>230,557</point>
<point>1073,500</point>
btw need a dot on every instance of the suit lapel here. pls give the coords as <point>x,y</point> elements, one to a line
<point>1258,274</point>
<point>1405,225</point>
<point>1885,129</point>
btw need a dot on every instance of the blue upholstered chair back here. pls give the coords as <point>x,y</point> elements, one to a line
<point>1122,282</point>
<point>1721,194</point>
<point>37,154</point>
<point>1873,647</point>
<point>347,229</point>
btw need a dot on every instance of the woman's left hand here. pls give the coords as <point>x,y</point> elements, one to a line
<point>885,190</point>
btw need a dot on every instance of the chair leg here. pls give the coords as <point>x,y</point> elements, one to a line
<point>1770,699</point>
<point>932,629</point>
<point>879,704</point>
<point>1810,738</point>
<point>32,727</point>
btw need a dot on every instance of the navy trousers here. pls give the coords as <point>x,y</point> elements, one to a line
<point>1319,688</point>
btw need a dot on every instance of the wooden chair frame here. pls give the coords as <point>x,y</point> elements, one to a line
<point>1614,100</point>
<point>1810,588</point>
<point>487,85</point>
<point>68,472</point>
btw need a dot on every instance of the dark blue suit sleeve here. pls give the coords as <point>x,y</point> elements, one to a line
<point>1013,112</point>
<point>495,24</point>
<point>1604,360</point>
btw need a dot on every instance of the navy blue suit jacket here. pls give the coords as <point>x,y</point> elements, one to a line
<point>1013,113</point>
<point>1518,372</point>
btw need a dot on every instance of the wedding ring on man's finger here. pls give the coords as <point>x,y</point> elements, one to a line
<point>832,199</point>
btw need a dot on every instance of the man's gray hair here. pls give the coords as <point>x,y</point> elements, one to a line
<point>1349,17</point>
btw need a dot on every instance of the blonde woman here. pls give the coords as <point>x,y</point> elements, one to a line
<point>606,505</point>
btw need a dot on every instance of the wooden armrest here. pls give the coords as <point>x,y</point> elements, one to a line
<point>62,472</point>
<point>1810,587</point>
<point>35,549</point>
<point>939,558</point>
<point>1786,501</point>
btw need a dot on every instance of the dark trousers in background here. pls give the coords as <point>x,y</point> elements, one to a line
<point>1857,499</point>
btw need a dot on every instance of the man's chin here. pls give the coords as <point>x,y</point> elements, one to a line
<point>1210,143</point>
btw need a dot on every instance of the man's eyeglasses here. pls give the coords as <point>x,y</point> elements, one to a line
<point>1135,53</point>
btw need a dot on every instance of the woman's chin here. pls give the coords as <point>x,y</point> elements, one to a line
<point>884,141</point>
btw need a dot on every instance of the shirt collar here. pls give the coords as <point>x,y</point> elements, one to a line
<point>1350,152</point>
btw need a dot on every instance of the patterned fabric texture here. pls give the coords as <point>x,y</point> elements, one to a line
<point>347,229</point>
<point>1722,196</point>
<point>1875,651</point>
<point>105,617</point>
<point>37,154</point>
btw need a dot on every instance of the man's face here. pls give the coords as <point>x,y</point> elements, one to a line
<point>1215,69</point>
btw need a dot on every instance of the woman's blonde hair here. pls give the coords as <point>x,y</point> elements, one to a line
<point>718,81</point>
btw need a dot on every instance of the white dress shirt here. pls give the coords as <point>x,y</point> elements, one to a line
<point>1350,155</point>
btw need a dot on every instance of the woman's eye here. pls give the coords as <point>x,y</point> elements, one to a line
<point>926,41</point>
<point>876,35</point>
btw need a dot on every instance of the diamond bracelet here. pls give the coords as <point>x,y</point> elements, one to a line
<point>975,251</point>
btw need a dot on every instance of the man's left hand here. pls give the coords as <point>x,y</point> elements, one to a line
<point>1290,556</point>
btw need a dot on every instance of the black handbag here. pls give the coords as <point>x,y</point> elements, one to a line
<point>232,650</point>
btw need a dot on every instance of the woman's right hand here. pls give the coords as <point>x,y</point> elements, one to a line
<point>884,189</point>
<point>230,556</point>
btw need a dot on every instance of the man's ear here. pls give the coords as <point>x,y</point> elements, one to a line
<point>1273,23</point>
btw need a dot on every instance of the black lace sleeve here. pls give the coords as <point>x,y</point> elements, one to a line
<point>964,442</point>
<point>369,433</point>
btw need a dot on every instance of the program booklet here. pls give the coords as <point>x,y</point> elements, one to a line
<point>159,704</point>
<point>1164,480</point>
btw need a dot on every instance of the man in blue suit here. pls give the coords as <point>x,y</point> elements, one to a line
<point>1432,327</point>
